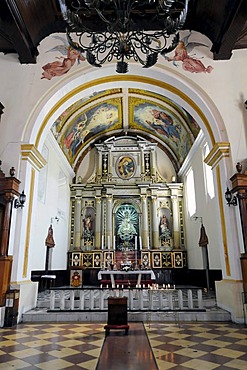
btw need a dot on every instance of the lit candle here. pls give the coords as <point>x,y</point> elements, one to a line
<point>122,286</point>
<point>114,243</point>
<point>102,242</point>
<point>136,243</point>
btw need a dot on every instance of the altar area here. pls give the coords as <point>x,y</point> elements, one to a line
<point>125,213</point>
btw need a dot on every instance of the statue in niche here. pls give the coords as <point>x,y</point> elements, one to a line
<point>127,227</point>
<point>88,229</point>
<point>165,232</point>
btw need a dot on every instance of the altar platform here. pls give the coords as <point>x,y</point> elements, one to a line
<point>73,299</point>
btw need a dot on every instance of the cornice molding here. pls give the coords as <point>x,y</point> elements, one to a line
<point>30,153</point>
<point>220,150</point>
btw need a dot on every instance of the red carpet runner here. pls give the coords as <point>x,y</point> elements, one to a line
<point>127,352</point>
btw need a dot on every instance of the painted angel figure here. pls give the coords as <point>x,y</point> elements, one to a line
<point>189,63</point>
<point>59,68</point>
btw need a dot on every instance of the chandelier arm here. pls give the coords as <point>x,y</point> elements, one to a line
<point>172,25</point>
<point>122,38</point>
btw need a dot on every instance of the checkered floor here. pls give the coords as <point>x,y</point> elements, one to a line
<point>203,346</point>
<point>51,346</point>
<point>70,346</point>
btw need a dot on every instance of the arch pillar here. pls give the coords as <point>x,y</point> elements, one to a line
<point>175,213</point>
<point>109,221</point>
<point>98,223</point>
<point>145,233</point>
<point>155,225</point>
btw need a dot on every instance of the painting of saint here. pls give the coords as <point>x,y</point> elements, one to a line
<point>126,167</point>
<point>76,135</point>
<point>164,123</point>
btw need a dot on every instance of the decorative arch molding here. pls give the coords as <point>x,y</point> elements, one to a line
<point>120,202</point>
<point>175,86</point>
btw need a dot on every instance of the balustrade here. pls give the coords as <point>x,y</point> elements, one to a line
<point>139,299</point>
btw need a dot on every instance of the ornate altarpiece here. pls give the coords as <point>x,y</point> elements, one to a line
<point>127,207</point>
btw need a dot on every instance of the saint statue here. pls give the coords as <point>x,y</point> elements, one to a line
<point>165,232</point>
<point>88,226</point>
<point>49,241</point>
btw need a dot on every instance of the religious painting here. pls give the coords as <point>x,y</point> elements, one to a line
<point>163,123</point>
<point>76,278</point>
<point>89,124</point>
<point>182,54</point>
<point>79,106</point>
<point>68,57</point>
<point>126,167</point>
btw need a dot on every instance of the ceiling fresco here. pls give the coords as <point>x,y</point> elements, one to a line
<point>149,114</point>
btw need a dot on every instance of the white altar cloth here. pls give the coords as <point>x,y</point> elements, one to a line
<point>112,274</point>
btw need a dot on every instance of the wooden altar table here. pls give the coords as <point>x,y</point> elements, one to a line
<point>126,274</point>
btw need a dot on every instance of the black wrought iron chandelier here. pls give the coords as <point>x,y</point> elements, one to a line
<point>124,29</point>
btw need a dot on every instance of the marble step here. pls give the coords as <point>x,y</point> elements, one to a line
<point>41,315</point>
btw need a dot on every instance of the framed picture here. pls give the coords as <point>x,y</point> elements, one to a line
<point>76,278</point>
<point>126,167</point>
<point>145,259</point>
<point>76,259</point>
<point>156,260</point>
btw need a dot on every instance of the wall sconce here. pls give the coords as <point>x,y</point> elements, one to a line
<point>231,200</point>
<point>55,218</point>
<point>195,218</point>
<point>19,203</point>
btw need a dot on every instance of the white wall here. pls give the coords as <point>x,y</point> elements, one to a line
<point>55,203</point>
<point>205,208</point>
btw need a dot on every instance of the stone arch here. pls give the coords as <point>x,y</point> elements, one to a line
<point>180,89</point>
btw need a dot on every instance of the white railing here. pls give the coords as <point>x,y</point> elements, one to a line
<point>138,299</point>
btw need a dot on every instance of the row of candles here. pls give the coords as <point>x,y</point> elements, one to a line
<point>114,242</point>
<point>143,286</point>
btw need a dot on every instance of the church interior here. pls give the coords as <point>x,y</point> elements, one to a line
<point>121,177</point>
